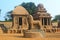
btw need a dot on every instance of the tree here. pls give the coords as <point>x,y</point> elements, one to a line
<point>57,17</point>
<point>0,11</point>
<point>8,16</point>
<point>30,7</point>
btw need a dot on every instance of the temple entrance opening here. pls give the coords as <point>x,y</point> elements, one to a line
<point>20,21</point>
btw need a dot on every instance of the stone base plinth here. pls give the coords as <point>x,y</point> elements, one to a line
<point>14,31</point>
<point>32,34</point>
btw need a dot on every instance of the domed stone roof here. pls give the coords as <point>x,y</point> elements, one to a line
<point>19,10</point>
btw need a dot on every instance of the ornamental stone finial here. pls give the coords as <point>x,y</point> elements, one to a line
<point>41,8</point>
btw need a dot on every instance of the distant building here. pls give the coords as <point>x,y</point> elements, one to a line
<point>59,24</point>
<point>56,24</point>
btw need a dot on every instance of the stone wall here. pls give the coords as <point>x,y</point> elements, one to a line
<point>7,24</point>
<point>55,24</point>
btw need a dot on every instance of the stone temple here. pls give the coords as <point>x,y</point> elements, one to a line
<point>24,22</point>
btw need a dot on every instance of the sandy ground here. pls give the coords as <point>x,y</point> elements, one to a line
<point>17,37</point>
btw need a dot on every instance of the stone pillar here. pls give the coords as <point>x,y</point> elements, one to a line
<point>44,25</point>
<point>41,21</point>
<point>23,22</point>
<point>15,23</point>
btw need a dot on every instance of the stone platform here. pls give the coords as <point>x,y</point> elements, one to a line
<point>33,34</point>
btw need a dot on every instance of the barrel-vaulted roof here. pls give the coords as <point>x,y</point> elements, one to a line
<point>19,10</point>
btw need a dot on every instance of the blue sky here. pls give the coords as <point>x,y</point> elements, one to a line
<point>52,6</point>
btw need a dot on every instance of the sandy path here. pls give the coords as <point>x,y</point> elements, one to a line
<point>17,37</point>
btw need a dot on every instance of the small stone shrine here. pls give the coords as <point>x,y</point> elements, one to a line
<point>28,24</point>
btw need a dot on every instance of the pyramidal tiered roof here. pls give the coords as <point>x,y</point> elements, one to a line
<point>41,12</point>
<point>40,8</point>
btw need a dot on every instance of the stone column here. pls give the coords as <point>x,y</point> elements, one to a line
<point>22,26</point>
<point>44,25</point>
<point>41,21</point>
<point>18,22</point>
<point>25,24</point>
<point>15,23</point>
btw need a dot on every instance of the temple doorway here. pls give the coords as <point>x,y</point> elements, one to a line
<point>20,21</point>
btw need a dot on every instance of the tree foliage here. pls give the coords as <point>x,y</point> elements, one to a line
<point>30,7</point>
<point>0,11</point>
<point>57,17</point>
<point>8,16</point>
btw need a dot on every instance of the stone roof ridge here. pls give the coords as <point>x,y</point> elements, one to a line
<point>41,8</point>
